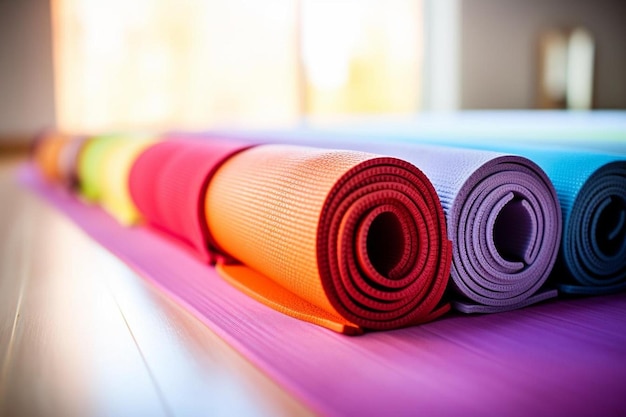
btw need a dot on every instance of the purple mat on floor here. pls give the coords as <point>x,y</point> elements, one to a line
<point>560,358</point>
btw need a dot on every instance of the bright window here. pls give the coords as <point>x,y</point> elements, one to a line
<point>192,64</point>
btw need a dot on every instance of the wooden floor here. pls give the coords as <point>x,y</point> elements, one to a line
<point>81,334</point>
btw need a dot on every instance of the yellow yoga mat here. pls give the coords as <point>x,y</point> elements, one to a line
<point>90,163</point>
<point>114,170</point>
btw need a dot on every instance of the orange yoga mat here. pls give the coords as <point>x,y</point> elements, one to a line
<point>47,150</point>
<point>347,240</point>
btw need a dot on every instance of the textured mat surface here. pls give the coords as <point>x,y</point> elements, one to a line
<point>592,193</point>
<point>502,214</point>
<point>558,358</point>
<point>359,236</point>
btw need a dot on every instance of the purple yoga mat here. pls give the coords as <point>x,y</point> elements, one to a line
<point>503,219</point>
<point>559,358</point>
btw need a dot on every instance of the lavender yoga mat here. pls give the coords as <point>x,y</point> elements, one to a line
<point>559,358</point>
<point>502,214</point>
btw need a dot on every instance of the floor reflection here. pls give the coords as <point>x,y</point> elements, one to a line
<point>82,334</point>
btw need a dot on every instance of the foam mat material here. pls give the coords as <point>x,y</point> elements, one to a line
<point>68,161</point>
<point>47,154</point>
<point>168,181</point>
<point>359,236</point>
<point>89,166</point>
<point>592,192</point>
<point>115,170</point>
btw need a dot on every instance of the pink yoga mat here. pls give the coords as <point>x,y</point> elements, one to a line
<point>168,181</point>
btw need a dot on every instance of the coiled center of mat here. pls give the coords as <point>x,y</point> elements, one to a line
<point>611,226</point>
<point>386,244</point>
<point>381,246</point>
<point>511,231</point>
<point>594,245</point>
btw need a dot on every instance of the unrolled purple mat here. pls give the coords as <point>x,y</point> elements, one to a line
<point>559,358</point>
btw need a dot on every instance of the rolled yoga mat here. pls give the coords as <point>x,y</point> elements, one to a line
<point>68,161</point>
<point>47,154</point>
<point>90,161</point>
<point>502,214</point>
<point>591,186</point>
<point>167,183</point>
<point>343,239</point>
<point>592,192</point>
<point>115,170</point>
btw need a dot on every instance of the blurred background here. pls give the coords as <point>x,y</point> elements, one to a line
<point>94,65</point>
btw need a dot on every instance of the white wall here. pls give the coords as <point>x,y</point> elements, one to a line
<point>499,55</point>
<point>498,46</point>
<point>26,77</point>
